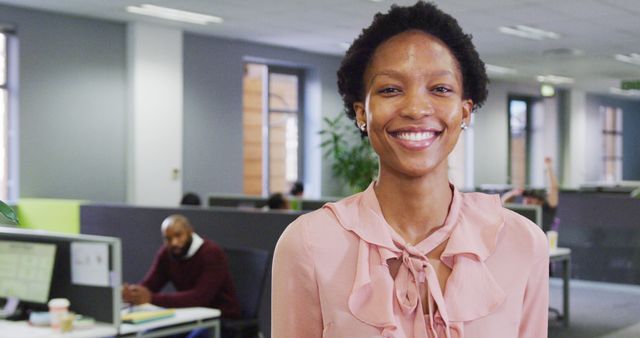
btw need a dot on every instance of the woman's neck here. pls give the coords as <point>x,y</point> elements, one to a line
<point>414,207</point>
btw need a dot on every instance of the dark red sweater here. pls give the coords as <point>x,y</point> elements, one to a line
<point>201,280</point>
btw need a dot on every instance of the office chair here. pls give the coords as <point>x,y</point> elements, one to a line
<point>249,269</point>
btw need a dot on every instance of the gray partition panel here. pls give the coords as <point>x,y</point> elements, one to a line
<point>236,201</point>
<point>83,298</point>
<point>603,232</point>
<point>531,212</point>
<point>139,231</point>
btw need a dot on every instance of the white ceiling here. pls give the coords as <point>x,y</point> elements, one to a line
<point>600,28</point>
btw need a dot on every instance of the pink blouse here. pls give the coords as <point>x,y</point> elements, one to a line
<point>331,278</point>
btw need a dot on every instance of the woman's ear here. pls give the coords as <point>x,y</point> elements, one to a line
<point>467,108</point>
<point>361,117</point>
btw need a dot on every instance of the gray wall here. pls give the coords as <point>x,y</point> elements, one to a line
<point>73,110</point>
<point>213,107</point>
<point>630,135</point>
<point>72,105</point>
<point>72,129</point>
<point>491,132</point>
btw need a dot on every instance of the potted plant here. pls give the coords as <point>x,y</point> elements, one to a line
<point>354,161</point>
<point>8,212</point>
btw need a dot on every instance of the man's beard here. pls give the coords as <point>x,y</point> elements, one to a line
<point>183,252</point>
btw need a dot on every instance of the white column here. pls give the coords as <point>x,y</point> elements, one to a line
<point>313,123</point>
<point>154,60</point>
<point>575,150</point>
<point>469,155</point>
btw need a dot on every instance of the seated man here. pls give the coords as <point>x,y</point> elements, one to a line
<point>197,268</point>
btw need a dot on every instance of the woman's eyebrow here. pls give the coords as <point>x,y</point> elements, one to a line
<point>396,74</point>
<point>389,72</point>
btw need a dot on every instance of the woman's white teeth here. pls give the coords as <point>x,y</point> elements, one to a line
<point>416,136</point>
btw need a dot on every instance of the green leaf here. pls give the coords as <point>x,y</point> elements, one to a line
<point>354,162</point>
<point>8,213</point>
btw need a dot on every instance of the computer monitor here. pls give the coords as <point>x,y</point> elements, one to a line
<point>530,211</point>
<point>26,269</point>
<point>86,270</point>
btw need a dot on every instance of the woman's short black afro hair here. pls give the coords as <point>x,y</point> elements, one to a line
<point>422,16</point>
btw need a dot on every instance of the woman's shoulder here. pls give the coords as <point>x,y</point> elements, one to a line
<point>529,235</point>
<point>515,227</point>
<point>315,226</point>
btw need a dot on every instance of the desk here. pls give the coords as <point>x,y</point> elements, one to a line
<point>184,320</point>
<point>11,329</point>
<point>563,255</point>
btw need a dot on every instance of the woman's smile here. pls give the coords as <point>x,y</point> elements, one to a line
<point>415,138</point>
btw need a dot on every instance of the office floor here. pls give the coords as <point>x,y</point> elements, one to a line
<point>598,310</point>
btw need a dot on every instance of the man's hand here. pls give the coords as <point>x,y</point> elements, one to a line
<point>135,294</point>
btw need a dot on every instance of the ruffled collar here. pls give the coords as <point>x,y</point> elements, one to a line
<point>472,227</point>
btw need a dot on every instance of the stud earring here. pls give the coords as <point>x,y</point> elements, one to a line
<point>363,127</point>
<point>463,125</point>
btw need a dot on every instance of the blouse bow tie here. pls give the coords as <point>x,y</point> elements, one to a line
<point>414,271</point>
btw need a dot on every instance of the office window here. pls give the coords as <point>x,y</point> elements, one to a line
<point>611,121</point>
<point>518,141</point>
<point>271,120</point>
<point>4,118</point>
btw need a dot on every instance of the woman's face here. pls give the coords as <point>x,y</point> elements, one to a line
<point>413,103</point>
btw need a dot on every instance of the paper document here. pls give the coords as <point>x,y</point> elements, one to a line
<point>90,263</point>
<point>147,316</point>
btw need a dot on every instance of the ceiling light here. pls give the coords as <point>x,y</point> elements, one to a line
<point>528,32</point>
<point>633,58</point>
<point>174,14</point>
<point>627,92</point>
<point>498,70</point>
<point>547,90</point>
<point>563,52</point>
<point>555,79</point>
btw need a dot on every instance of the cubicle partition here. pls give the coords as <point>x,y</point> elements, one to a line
<point>139,231</point>
<point>602,229</point>
<point>530,211</point>
<point>96,295</point>
<point>236,201</point>
<point>245,201</point>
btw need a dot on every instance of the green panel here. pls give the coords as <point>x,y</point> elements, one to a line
<point>55,215</point>
<point>630,85</point>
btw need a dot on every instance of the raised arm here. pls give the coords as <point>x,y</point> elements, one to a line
<point>553,194</point>
<point>510,195</point>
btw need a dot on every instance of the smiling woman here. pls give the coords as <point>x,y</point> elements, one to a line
<point>413,105</point>
<point>411,256</point>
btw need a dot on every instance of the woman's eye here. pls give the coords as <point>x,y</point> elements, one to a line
<point>442,89</point>
<point>388,90</point>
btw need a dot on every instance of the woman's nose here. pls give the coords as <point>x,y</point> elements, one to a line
<point>417,104</point>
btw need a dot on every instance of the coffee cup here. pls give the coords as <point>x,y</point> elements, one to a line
<point>552,236</point>
<point>58,308</point>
